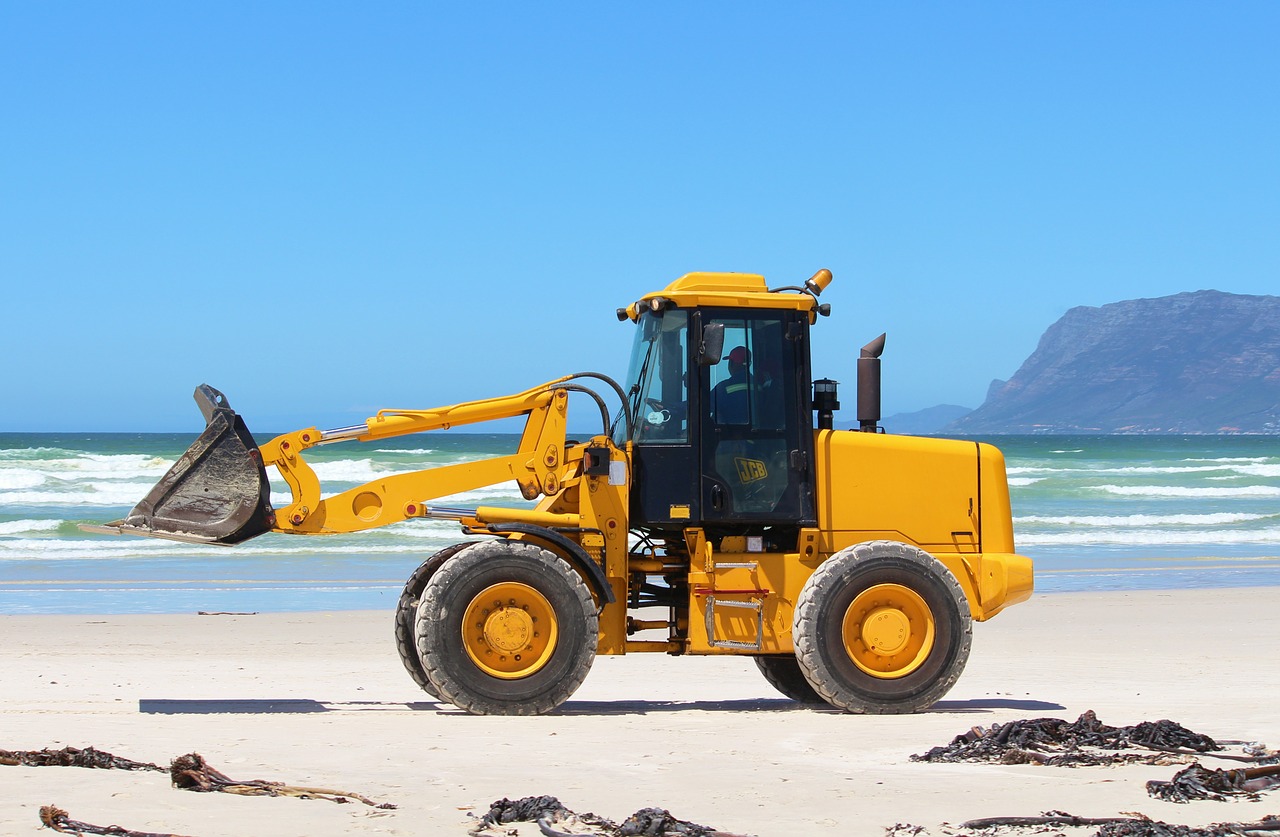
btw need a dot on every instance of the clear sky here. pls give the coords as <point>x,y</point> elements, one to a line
<point>327,208</point>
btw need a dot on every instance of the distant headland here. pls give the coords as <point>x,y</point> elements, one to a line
<point>1206,362</point>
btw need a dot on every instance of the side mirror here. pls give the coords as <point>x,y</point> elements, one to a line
<point>712,346</point>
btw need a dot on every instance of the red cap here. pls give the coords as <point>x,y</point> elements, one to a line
<point>740,355</point>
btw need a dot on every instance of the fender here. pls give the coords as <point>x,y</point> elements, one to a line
<point>565,548</point>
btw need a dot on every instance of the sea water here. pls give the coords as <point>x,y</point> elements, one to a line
<point>1095,512</point>
<point>1146,512</point>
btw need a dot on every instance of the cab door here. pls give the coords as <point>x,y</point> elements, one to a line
<point>755,421</point>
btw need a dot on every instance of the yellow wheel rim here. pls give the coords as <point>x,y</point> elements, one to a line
<point>888,631</point>
<point>509,630</point>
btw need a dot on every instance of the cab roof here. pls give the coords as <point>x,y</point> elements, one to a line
<point>723,290</point>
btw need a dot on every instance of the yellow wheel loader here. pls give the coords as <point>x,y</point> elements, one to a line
<point>716,512</point>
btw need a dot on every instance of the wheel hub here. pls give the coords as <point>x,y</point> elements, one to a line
<point>888,631</point>
<point>509,630</point>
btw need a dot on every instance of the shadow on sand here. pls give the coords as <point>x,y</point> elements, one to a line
<point>572,707</point>
<point>270,707</point>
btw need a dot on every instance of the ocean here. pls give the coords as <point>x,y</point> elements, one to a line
<point>1095,512</point>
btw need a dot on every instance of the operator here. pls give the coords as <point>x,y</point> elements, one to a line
<point>730,400</point>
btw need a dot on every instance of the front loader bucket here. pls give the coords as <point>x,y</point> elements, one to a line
<point>217,492</point>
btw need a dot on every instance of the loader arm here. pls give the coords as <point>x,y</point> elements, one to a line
<point>218,491</point>
<point>535,466</point>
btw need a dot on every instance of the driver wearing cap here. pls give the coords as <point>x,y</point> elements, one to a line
<point>729,399</point>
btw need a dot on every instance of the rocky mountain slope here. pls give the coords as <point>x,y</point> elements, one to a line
<point>1203,362</point>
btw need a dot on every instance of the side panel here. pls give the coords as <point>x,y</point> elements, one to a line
<point>948,497</point>
<point>905,488</point>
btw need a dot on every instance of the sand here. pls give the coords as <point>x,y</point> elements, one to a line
<point>321,699</point>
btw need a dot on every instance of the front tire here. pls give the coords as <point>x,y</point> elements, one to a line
<point>506,628</point>
<point>882,628</point>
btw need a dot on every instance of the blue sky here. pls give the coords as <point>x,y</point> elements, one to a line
<point>323,209</point>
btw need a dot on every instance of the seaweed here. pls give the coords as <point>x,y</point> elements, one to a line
<point>1198,782</point>
<point>1083,742</point>
<point>192,772</point>
<point>51,816</point>
<point>1134,826</point>
<point>548,811</point>
<point>73,757</point>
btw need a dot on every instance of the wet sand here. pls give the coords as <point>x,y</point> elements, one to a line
<point>321,699</point>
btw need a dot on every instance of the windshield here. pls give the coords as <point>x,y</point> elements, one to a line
<point>657,380</point>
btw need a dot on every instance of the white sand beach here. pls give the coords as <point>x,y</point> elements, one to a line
<point>321,699</point>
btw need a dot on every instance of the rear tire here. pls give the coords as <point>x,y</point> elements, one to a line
<point>882,628</point>
<point>407,612</point>
<point>784,674</point>
<point>506,628</point>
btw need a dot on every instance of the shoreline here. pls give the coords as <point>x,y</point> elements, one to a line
<point>321,699</point>
<point>175,596</point>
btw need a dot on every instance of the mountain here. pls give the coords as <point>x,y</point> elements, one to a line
<point>1203,362</point>
<point>920,423</point>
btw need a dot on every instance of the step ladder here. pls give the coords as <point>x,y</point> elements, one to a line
<point>756,603</point>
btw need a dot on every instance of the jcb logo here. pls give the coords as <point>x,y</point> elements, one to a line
<point>750,470</point>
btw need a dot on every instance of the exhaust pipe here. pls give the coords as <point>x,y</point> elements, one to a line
<point>869,385</point>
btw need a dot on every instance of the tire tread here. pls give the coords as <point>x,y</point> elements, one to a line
<point>437,658</point>
<point>806,630</point>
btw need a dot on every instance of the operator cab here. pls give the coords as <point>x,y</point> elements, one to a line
<point>719,387</point>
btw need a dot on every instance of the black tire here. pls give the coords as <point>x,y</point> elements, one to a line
<point>784,674</point>
<point>407,612</point>
<point>527,647</point>
<point>861,629</point>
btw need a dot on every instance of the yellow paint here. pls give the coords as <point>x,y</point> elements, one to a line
<point>509,630</point>
<point>888,631</point>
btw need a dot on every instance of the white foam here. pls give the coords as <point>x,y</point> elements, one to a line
<point>110,548</point>
<point>1229,459</point>
<point>22,527</point>
<point>1216,519</point>
<point>349,470</point>
<point>1139,470</point>
<point>1272,470</point>
<point>1190,491</point>
<point>87,494</point>
<point>17,478</point>
<point>1156,469</point>
<point>1153,537</point>
<point>101,466</point>
<point>1020,482</point>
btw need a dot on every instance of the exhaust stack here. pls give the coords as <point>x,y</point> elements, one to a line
<point>869,385</point>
